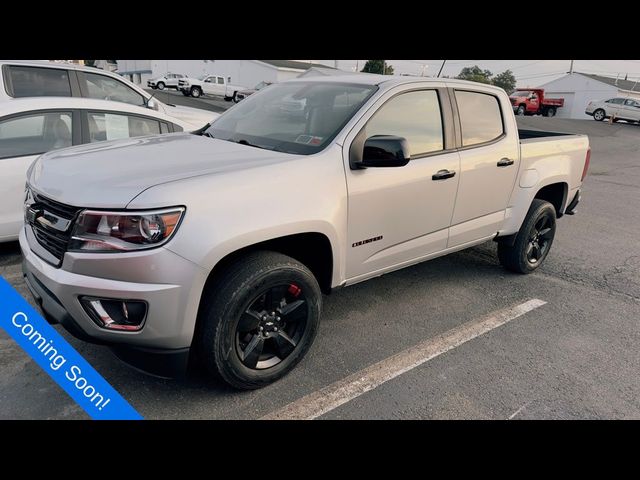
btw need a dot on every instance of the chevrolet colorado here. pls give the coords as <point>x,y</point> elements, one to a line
<point>217,245</point>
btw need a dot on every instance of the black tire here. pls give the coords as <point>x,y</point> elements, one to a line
<point>550,112</point>
<point>599,115</point>
<point>185,93</point>
<point>160,85</point>
<point>521,256</point>
<point>521,110</point>
<point>227,99</point>
<point>235,99</point>
<point>232,295</point>
<point>195,92</point>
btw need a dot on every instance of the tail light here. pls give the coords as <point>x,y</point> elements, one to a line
<point>587,160</point>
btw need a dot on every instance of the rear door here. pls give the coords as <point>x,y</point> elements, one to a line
<point>489,162</point>
<point>23,137</point>
<point>613,107</point>
<point>630,110</point>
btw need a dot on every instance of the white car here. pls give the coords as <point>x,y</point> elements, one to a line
<point>32,126</point>
<point>210,85</point>
<point>169,80</point>
<point>619,108</point>
<point>22,79</point>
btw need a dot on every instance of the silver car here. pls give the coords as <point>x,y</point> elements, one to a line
<point>617,108</point>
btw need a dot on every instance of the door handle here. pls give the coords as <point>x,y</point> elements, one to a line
<point>443,175</point>
<point>505,162</point>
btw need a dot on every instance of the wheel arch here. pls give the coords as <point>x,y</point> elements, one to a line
<point>555,194</point>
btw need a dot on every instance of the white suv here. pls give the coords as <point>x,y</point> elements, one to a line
<point>23,79</point>
<point>169,80</point>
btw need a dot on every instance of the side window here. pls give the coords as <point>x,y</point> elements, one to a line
<point>220,81</point>
<point>164,128</point>
<point>480,117</point>
<point>631,103</point>
<point>114,126</point>
<point>617,101</point>
<point>36,133</point>
<point>38,82</point>
<point>103,87</point>
<point>415,116</point>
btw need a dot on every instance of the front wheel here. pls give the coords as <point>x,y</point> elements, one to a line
<point>533,241</point>
<point>259,319</point>
<point>195,92</point>
<point>599,115</point>
<point>521,110</point>
<point>160,86</point>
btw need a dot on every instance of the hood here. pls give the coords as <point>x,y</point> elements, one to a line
<point>111,174</point>
<point>248,91</point>
<point>194,116</point>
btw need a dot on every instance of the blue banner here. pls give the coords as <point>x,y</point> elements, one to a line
<point>60,360</point>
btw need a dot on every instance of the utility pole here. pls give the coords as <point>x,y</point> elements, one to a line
<point>441,67</point>
<point>357,65</point>
<point>384,66</point>
<point>571,67</point>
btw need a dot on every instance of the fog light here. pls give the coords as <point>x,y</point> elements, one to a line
<point>115,314</point>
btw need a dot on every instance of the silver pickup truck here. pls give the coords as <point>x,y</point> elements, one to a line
<point>217,245</point>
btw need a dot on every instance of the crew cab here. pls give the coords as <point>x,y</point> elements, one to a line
<point>168,80</point>
<point>210,85</point>
<point>216,246</point>
<point>531,101</point>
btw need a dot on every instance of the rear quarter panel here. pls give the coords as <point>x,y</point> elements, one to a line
<point>545,161</point>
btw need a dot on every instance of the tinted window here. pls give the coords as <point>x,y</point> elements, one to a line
<point>220,81</point>
<point>113,126</point>
<point>35,134</point>
<point>415,116</point>
<point>39,82</point>
<point>107,88</point>
<point>631,103</point>
<point>617,101</point>
<point>480,117</point>
<point>164,128</point>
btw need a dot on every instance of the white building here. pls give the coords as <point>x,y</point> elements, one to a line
<point>578,89</point>
<point>247,73</point>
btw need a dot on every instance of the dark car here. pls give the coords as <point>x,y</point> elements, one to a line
<point>245,93</point>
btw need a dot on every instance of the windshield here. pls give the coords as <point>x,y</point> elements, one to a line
<point>296,117</point>
<point>202,77</point>
<point>521,93</point>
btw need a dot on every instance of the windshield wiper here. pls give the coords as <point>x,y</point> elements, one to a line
<point>244,142</point>
<point>207,134</point>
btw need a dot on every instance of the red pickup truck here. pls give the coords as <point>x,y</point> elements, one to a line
<point>531,101</point>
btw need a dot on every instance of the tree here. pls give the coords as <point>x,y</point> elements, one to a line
<point>475,74</point>
<point>505,80</point>
<point>377,66</point>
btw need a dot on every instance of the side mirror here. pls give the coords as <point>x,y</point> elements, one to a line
<point>153,104</point>
<point>385,151</point>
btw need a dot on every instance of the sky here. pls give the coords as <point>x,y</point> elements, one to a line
<point>529,73</point>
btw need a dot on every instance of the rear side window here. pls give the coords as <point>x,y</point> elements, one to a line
<point>114,126</point>
<point>37,82</point>
<point>617,101</point>
<point>480,117</point>
<point>415,116</point>
<point>36,133</point>
<point>103,87</point>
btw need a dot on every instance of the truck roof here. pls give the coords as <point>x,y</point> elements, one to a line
<point>388,80</point>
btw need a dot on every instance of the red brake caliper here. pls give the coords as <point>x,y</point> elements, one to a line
<point>294,290</point>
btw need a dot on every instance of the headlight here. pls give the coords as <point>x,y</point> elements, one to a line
<point>97,231</point>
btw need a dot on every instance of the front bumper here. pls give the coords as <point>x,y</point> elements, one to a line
<point>168,330</point>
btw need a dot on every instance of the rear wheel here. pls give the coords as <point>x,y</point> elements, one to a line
<point>533,241</point>
<point>551,112</point>
<point>599,115</point>
<point>259,319</point>
<point>521,110</point>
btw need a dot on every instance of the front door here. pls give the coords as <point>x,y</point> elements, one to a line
<point>630,110</point>
<point>489,162</point>
<point>399,214</point>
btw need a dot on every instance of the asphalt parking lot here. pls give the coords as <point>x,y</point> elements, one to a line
<point>576,356</point>
<point>170,96</point>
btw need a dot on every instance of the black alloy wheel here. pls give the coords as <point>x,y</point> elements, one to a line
<point>272,326</point>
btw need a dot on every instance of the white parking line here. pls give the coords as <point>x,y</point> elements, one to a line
<point>338,393</point>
